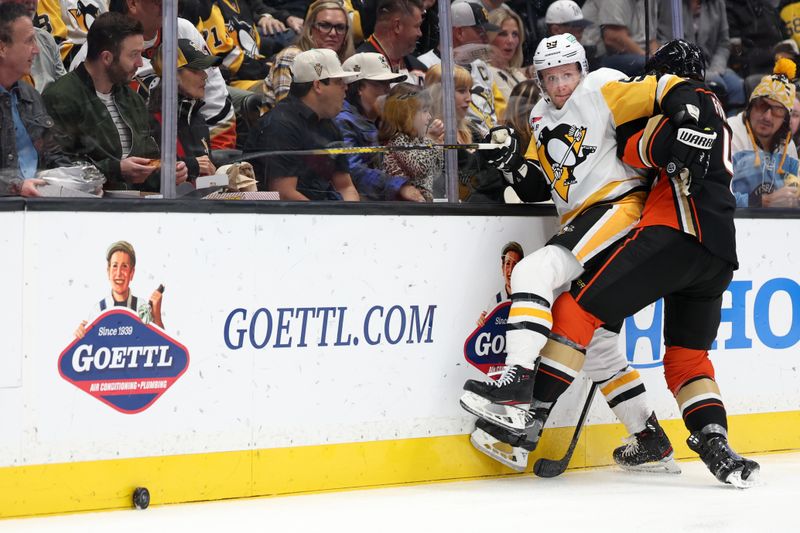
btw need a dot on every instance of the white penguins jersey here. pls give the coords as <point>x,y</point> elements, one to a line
<point>576,145</point>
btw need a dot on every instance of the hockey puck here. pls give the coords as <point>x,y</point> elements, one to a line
<point>141,498</point>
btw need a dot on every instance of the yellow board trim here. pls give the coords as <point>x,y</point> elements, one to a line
<point>95,485</point>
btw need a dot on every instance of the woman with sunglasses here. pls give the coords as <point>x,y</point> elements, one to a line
<point>326,25</point>
<point>765,164</point>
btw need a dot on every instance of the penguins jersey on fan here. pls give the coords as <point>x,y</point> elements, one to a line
<point>68,21</point>
<point>576,145</point>
<point>229,34</point>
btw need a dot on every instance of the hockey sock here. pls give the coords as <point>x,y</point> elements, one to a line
<point>701,404</point>
<point>529,323</point>
<point>560,363</point>
<point>690,377</point>
<point>627,397</point>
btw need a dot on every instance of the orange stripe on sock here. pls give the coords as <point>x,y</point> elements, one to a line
<point>700,407</point>
<point>543,371</point>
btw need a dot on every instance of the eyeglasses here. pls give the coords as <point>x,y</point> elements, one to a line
<point>762,106</point>
<point>327,27</point>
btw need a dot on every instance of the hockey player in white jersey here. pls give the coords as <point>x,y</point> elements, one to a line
<point>571,159</point>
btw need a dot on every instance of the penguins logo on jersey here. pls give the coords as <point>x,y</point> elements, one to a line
<point>563,151</point>
<point>84,15</point>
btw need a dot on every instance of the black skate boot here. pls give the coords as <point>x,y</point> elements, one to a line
<point>648,450</point>
<point>503,402</point>
<point>711,444</point>
<point>509,448</point>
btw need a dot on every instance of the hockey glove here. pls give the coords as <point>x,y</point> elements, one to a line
<point>691,154</point>
<point>506,157</point>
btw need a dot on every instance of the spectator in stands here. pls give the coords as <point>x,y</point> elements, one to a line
<point>518,115</point>
<point>397,28</point>
<point>765,165</point>
<point>405,121</point>
<point>326,26</point>
<point>507,44</point>
<point>429,28</point>
<point>295,12</point>
<point>218,109</point>
<point>232,35</point>
<point>565,16</point>
<point>99,117</point>
<point>274,24</point>
<point>754,27</point>
<point>706,25</point>
<point>358,123</point>
<point>470,45</point>
<point>193,136</point>
<point>304,120</point>
<point>467,162</point>
<point>622,26</point>
<point>794,119</point>
<point>26,143</point>
<point>68,21</point>
<point>47,66</point>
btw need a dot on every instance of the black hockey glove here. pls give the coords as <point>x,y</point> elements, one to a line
<point>506,157</point>
<point>691,154</point>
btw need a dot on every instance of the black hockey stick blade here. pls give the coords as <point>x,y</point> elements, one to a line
<point>555,467</point>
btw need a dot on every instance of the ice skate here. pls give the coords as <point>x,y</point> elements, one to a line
<point>506,447</point>
<point>648,451</point>
<point>711,444</point>
<point>503,402</point>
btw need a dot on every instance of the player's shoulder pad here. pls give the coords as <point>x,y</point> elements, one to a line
<point>597,78</point>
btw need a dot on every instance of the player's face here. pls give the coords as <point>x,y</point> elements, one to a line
<point>120,274</point>
<point>510,260</point>
<point>766,117</point>
<point>560,82</point>
<point>17,55</point>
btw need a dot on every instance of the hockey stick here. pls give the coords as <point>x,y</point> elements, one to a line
<point>555,467</point>
<point>368,150</point>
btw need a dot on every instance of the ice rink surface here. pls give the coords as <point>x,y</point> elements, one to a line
<point>583,500</point>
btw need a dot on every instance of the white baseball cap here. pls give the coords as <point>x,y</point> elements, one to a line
<point>464,13</point>
<point>566,12</point>
<point>318,64</point>
<point>371,66</point>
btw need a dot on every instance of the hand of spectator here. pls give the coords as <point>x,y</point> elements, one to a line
<point>271,25</point>
<point>80,331</point>
<point>436,130</point>
<point>295,23</point>
<point>181,172</point>
<point>207,168</point>
<point>28,187</point>
<point>410,193</point>
<point>783,197</point>
<point>136,169</point>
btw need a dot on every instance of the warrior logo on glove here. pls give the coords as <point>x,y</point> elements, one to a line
<point>560,152</point>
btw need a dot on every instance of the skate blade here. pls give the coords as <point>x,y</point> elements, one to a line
<point>514,458</point>
<point>505,416</point>
<point>735,479</point>
<point>664,466</point>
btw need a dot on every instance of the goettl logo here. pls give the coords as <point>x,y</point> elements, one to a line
<point>123,362</point>
<point>485,348</point>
